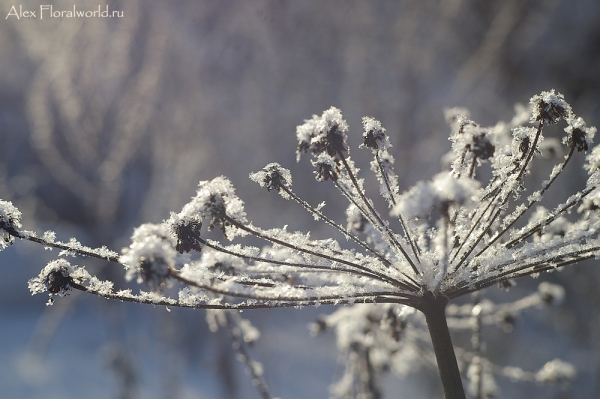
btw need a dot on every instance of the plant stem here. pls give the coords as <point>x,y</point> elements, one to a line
<point>434,308</point>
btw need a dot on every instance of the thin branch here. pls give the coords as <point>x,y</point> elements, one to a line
<point>548,264</point>
<point>278,297</point>
<point>553,216</point>
<point>363,273</point>
<point>164,301</point>
<point>310,252</point>
<point>532,201</point>
<point>382,225</point>
<point>503,201</point>
<point>81,250</point>
<point>341,229</point>
<point>405,228</point>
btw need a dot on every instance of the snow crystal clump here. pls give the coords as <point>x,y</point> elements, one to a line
<point>442,191</point>
<point>10,219</point>
<point>150,256</point>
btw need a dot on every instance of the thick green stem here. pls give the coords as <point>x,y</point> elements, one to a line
<point>434,308</point>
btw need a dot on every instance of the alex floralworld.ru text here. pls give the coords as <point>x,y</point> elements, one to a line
<point>48,11</point>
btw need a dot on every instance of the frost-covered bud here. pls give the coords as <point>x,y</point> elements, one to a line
<point>556,371</point>
<point>150,256</point>
<point>325,172</point>
<point>326,168</point>
<point>273,177</point>
<point>549,107</point>
<point>10,220</point>
<point>335,132</point>
<point>218,198</point>
<point>215,200</point>
<point>551,294</point>
<point>374,135</point>
<point>326,133</point>
<point>188,237</point>
<point>482,146</point>
<point>578,135</point>
<point>472,137</point>
<point>55,278</point>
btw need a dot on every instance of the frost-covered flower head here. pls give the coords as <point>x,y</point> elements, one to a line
<point>59,278</point>
<point>214,199</point>
<point>324,134</point>
<point>374,135</point>
<point>454,234</point>
<point>549,107</point>
<point>273,177</point>
<point>55,278</point>
<point>442,238</point>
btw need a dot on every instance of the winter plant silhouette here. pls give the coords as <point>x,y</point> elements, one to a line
<point>453,235</point>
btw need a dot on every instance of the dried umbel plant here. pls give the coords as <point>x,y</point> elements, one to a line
<point>455,235</point>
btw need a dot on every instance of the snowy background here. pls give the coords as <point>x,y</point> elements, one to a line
<point>106,123</point>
